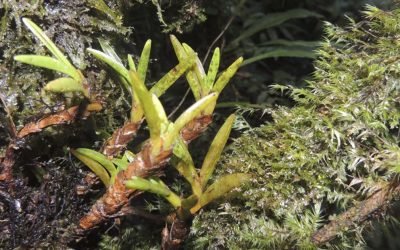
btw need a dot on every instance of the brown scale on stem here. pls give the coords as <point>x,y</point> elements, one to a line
<point>120,138</point>
<point>117,195</point>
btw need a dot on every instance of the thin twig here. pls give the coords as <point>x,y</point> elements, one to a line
<point>357,214</point>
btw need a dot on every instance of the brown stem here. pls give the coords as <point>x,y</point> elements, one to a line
<point>144,164</point>
<point>120,138</point>
<point>357,214</point>
<point>60,117</point>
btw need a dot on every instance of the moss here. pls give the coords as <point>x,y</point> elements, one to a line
<point>322,156</point>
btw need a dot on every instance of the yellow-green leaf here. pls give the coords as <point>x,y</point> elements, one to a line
<point>191,77</point>
<point>167,80</point>
<point>227,75</point>
<point>38,32</point>
<point>220,187</point>
<point>194,111</point>
<point>131,63</point>
<point>154,112</point>
<point>118,67</point>
<point>156,186</point>
<point>96,167</point>
<point>99,157</point>
<point>144,60</point>
<point>64,85</point>
<point>212,71</point>
<point>49,63</point>
<point>215,150</point>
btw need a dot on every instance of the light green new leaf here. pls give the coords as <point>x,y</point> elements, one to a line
<point>107,49</point>
<point>301,53</point>
<point>274,19</point>
<point>99,157</point>
<point>153,110</point>
<point>215,150</point>
<point>227,75</point>
<point>212,71</point>
<point>191,77</point>
<point>112,63</point>
<point>49,63</point>
<point>38,32</point>
<point>167,80</point>
<point>144,60</point>
<point>220,187</point>
<point>155,186</point>
<point>64,85</point>
<point>96,167</point>
<point>131,63</point>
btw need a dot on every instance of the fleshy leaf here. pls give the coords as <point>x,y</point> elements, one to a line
<point>191,77</point>
<point>199,69</point>
<point>64,85</point>
<point>49,63</point>
<point>100,158</point>
<point>131,63</point>
<point>155,186</point>
<point>107,49</point>
<point>112,63</point>
<point>212,71</point>
<point>96,167</point>
<point>194,111</point>
<point>227,75</point>
<point>215,150</point>
<point>185,165</point>
<point>154,116</point>
<point>167,80</point>
<point>220,187</point>
<point>144,60</point>
<point>38,32</point>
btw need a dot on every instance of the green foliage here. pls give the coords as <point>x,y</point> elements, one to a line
<point>202,195</point>
<point>333,149</point>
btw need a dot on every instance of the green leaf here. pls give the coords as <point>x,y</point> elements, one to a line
<point>107,49</point>
<point>227,75</point>
<point>120,163</point>
<point>131,63</point>
<point>49,63</point>
<point>167,80</point>
<point>153,110</point>
<point>272,20</point>
<point>185,166</point>
<point>100,158</point>
<point>64,85</point>
<point>215,150</point>
<point>144,60</point>
<point>118,67</point>
<point>301,53</point>
<point>198,66</point>
<point>220,187</point>
<point>212,71</point>
<point>97,168</point>
<point>155,186</point>
<point>38,32</point>
<point>194,111</point>
<point>191,77</point>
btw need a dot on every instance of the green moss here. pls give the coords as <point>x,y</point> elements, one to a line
<point>330,151</point>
